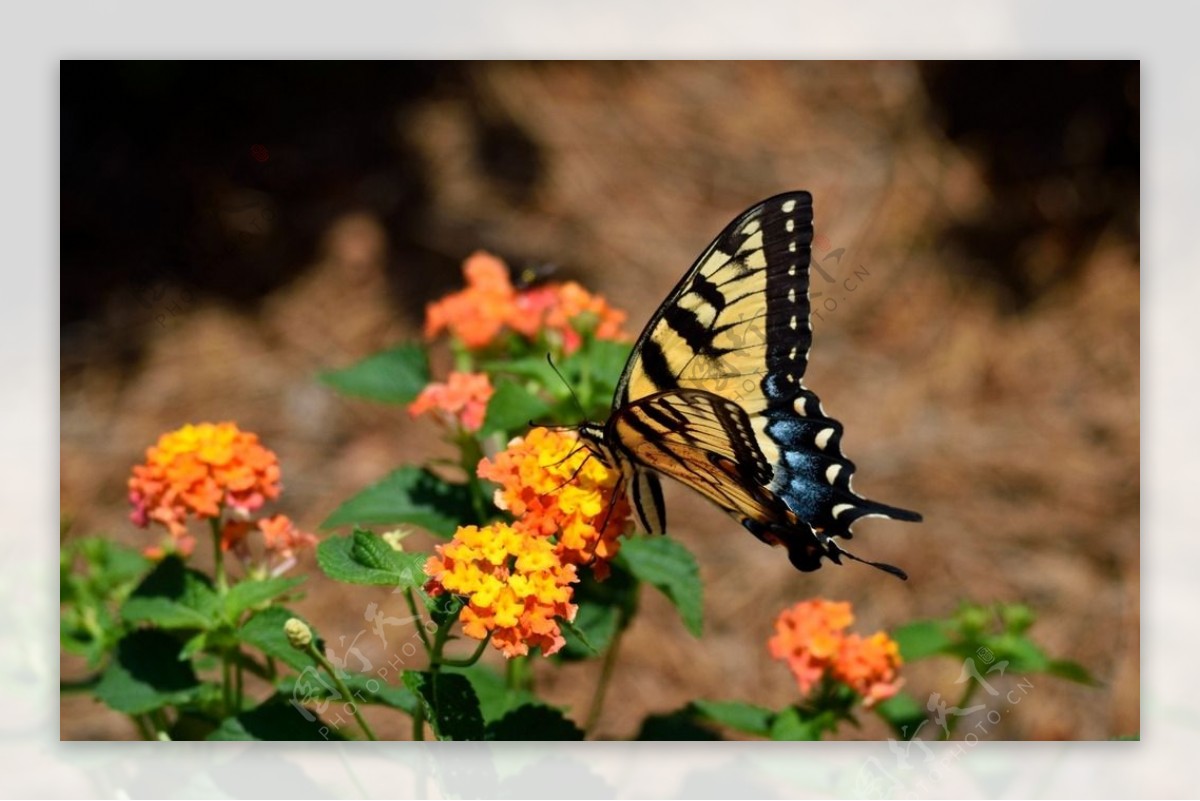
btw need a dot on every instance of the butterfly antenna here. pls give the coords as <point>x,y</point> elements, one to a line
<point>574,397</point>
<point>836,550</point>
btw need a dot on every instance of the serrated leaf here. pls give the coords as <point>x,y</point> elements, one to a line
<point>264,631</point>
<point>164,613</point>
<point>496,698</point>
<point>533,722</point>
<point>578,644</point>
<point>249,593</point>
<point>172,596</point>
<point>276,719</point>
<point>392,376</point>
<point>669,567</point>
<point>678,726</point>
<point>736,715</point>
<point>449,702</point>
<point>410,495</point>
<point>146,674</point>
<point>364,558</point>
<point>511,408</point>
<point>922,639</point>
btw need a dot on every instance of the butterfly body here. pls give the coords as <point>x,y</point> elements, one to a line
<point>713,396</point>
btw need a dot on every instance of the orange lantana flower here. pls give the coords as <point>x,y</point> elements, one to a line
<point>198,470</point>
<point>514,585</point>
<point>555,487</point>
<point>463,398</point>
<point>811,638</point>
<point>490,305</point>
<point>477,314</point>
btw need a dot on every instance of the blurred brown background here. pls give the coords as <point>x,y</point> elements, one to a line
<point>230,229</point>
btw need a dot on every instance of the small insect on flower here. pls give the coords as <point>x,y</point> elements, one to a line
<point>811,638</point>
<point>551,485</point>
<point>514,585</point>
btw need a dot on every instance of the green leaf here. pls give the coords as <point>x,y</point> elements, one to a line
<point>668,566</point>
<point>1071,671</point>
<point>677,726</point>
<point>365,558</point>
<point>249,593</point>
<point>364,687</point>
<point>265,632</point>
<point>408,495</point>
<point>533,722</point>
<point>790,724</point>
<point>736,715</point>
<point>902,713</point>
<point>511,408</point>
<point>1023,655</point>
<point>172,596</point>
<point>449,702</point>
<point>603,608</point>
<point>578,644</point>
<point>922,639</point>
<point>146,674</point>
<point>496,698</point>
<point>443,609</point>
<point>277,718</point>
<point>392,376</point>
<point>164,613</point>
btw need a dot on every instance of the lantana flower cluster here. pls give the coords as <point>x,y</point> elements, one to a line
<point>461,400</point>
<point>200,471</point>
<point>568,512</point>
<point>811,637</point>
<point>490,305</point>
<point>514,585</point>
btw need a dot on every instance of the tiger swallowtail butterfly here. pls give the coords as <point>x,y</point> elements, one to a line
<point>713,396</point>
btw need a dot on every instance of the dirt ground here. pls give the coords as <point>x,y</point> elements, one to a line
<point>979,339</point>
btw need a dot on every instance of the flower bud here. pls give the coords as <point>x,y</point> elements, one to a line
<point>298,633</point>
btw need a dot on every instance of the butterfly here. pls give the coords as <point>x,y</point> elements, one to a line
<point>713,396</point>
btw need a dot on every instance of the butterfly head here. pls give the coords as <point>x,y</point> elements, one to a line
<point>594,436</point>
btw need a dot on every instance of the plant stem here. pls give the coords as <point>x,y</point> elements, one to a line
<point>222,588</point>
<point>320,659</point>
<point>473,658</point>
<point>144,727</point>
<point>606,671</point>
<point>218,556</point>
<point>419,723</point>
<point>412,608</point>
<point>972,685</point>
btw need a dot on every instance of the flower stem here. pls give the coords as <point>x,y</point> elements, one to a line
<point>319,658</point>
<point>218,556</point>
<point>412,608</point>
<point>473,658</point>
<point>419,723</point>
<point>972,685</point>
<point>222,588</point>
<point>606,671</point>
